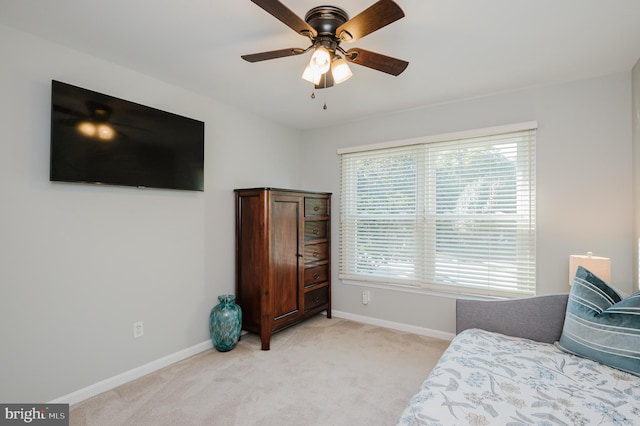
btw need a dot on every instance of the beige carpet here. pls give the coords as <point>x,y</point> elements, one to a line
<point>320,372</point>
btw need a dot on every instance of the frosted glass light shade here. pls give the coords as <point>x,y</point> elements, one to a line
<point>600,266</point>
<point>320,60</point>
<point>340,71</point>
<point>310,75</point>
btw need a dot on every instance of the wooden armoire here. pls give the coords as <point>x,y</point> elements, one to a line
<point>283,252</point>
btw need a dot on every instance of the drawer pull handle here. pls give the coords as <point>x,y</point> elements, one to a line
<point>315,254</point>
<point>316,299</point>
<point>315,231</point>
<point>316,208</point>
<point>316,276</point>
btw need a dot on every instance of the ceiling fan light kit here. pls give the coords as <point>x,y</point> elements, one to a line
<point>327,27</point>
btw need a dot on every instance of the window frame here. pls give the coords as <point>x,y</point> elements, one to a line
<point>444,289</point>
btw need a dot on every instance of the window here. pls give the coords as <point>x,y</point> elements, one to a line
<point>454,213</point>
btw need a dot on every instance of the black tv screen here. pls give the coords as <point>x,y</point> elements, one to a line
<point>96,138</point>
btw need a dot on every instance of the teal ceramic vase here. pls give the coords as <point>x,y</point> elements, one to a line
<point>225,323</point>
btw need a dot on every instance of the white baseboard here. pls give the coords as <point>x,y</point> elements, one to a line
<point>437,334</point>
<point>127,376</point>
<point>143,370</point>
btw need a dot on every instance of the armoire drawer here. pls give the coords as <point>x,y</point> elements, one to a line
<point>316,206</point>
<point>315,275</point>
<point>316,298</point>
<point>315,230</point>
<point>316,252</point>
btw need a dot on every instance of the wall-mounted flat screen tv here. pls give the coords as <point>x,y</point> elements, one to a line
<point>96,138</point>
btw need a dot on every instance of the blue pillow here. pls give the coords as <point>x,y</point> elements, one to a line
<point>600,325</point>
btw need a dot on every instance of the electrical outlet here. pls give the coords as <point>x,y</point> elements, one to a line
<point>138,329</point>
<point>366,297</point>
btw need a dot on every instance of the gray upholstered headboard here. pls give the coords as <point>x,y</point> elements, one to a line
<point>537,318</point>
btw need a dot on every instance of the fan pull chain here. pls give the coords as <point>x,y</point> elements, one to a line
<point>313,91</point>
<point>313,96</point>
<point>324,107</point>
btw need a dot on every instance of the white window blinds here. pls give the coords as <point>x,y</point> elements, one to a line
<point>454,215</point>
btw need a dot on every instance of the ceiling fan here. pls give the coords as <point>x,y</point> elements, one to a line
<point>327,27</point>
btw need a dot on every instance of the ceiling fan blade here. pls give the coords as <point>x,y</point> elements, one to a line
<point>376,61</point>
<point>378,15</point>
<point>273,54</point>
<point>286,16</point>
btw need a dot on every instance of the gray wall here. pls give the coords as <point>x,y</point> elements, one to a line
<point>584,182</point>
<point>80,263</point>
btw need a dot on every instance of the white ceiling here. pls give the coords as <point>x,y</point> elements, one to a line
<point>457,49</point>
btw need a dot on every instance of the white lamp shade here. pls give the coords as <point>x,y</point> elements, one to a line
<point>320,60</point>
<point>340,71</point>
<point>310,75</point>
<point>599,266</point>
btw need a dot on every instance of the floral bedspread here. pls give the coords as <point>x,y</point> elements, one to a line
<point>486,378</point>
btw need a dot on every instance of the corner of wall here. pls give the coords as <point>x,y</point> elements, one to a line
<point>635,132</point>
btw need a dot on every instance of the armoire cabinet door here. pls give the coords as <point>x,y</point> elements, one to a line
<point>285,225</point>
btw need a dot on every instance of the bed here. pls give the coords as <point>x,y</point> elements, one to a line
<point>509,365</point>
